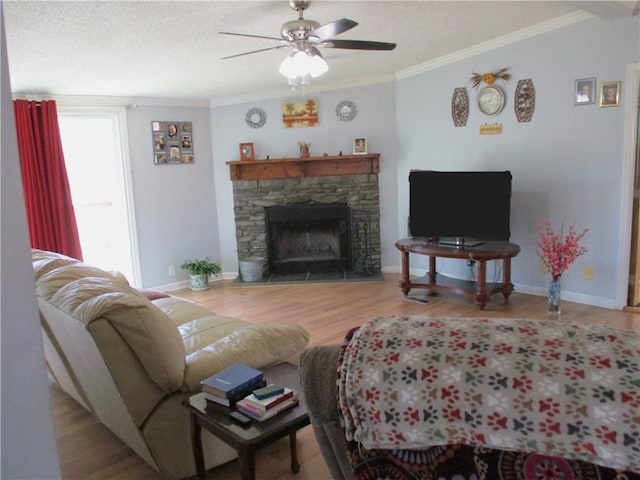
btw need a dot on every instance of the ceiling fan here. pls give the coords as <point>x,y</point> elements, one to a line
<point>304,37</point>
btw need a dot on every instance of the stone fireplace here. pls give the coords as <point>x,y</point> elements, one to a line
<point>309,225</point>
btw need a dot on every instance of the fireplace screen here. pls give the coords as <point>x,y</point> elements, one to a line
<point>308,238</point>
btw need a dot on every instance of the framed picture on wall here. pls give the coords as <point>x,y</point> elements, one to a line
<point>359,146</point>
<point>246,152</point>
<point>610,94</point>
<point>585,91</point>
<point>172,142</point>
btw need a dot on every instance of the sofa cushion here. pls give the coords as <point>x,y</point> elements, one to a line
<point>213,342</point>
<point>257,346</point>
<point>44,261</point>
<point>148,332</point>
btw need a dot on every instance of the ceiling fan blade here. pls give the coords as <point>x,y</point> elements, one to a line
<point>252,36</point>
<point>330,30</point>
<point>358,45</point>
<point>254,51</point>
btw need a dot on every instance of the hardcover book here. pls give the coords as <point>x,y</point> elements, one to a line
<point>269,402</point>
<point>231,380</point>
<point>231,401</point>
<point>260,415</point>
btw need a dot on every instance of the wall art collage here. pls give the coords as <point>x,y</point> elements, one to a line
<point>172,142</point>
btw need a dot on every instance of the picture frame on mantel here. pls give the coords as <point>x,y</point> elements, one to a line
<point>246,152</point>
<point>359,146</point>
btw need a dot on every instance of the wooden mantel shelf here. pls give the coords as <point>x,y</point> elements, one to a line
<point>305,167</point>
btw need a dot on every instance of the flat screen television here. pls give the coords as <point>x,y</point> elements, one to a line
<point>460,208</point>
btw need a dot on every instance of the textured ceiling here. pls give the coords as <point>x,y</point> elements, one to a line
<point>171,49</point>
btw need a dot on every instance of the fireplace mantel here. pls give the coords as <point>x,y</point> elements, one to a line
<point>305,167</point>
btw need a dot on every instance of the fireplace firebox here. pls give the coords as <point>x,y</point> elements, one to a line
<point>308,238</point>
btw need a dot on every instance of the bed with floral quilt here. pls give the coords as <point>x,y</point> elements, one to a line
<point>490,398</point>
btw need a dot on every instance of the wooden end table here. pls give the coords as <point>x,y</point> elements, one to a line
<point>480,291</point>
<point>247,440</point>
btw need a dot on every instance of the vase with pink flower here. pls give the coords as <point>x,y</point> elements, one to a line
<point>557,251</point>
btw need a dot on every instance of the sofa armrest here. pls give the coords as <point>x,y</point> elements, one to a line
<point>318,375</point>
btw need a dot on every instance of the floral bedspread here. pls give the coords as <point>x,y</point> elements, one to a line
<point>559,389</point>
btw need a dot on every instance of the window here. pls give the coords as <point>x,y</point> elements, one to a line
<point>94,141</point>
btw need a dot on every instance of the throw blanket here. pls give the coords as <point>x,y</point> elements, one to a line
<point>559,389</point>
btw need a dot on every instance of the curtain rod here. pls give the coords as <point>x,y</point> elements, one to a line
<point>109,101</point>
<point>67,102</point>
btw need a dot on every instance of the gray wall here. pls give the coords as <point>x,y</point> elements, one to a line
<point>566,163</point>
<point>175,203</point>
<point>28,443</point>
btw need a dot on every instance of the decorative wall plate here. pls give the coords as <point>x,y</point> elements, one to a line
<point>460,106</point>
<point>256,118</point>
<point>524,100</point>
<point>346,110</point>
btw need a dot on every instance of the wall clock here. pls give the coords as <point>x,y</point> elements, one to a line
<point>490,101</point>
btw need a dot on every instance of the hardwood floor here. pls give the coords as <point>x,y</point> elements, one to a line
<point>87,450</point>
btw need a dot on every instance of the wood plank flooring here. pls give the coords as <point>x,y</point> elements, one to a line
<point>87,450</point>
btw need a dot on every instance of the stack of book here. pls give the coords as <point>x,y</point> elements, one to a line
<point>262,409</point>
<point>232,384</point>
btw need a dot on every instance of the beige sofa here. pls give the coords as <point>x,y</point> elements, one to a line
<point>131,358</point>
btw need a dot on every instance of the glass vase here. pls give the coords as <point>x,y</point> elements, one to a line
<point>553,299</point>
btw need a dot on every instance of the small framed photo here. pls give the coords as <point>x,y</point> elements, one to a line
<point>610,94</point>
<point>246,152</point>
<point>359,146</point>
<point>585,91</point>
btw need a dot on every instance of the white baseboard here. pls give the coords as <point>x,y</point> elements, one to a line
<point>520,288</point>
<point>171,287</point>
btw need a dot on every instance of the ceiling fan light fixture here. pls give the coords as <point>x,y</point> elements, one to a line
<point>299,66</point>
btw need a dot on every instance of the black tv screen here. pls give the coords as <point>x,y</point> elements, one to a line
<point>451,206</point>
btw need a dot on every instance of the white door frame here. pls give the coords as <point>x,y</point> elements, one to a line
<point>628,180</point>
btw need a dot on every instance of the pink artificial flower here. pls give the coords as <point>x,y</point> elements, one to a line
<point>557,250</point>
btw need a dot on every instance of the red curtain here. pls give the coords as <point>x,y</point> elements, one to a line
<point>52,221</point>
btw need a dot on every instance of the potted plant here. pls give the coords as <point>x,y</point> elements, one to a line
<point>199,272</point>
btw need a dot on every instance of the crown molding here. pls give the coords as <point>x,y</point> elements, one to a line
<point>488,46</point>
